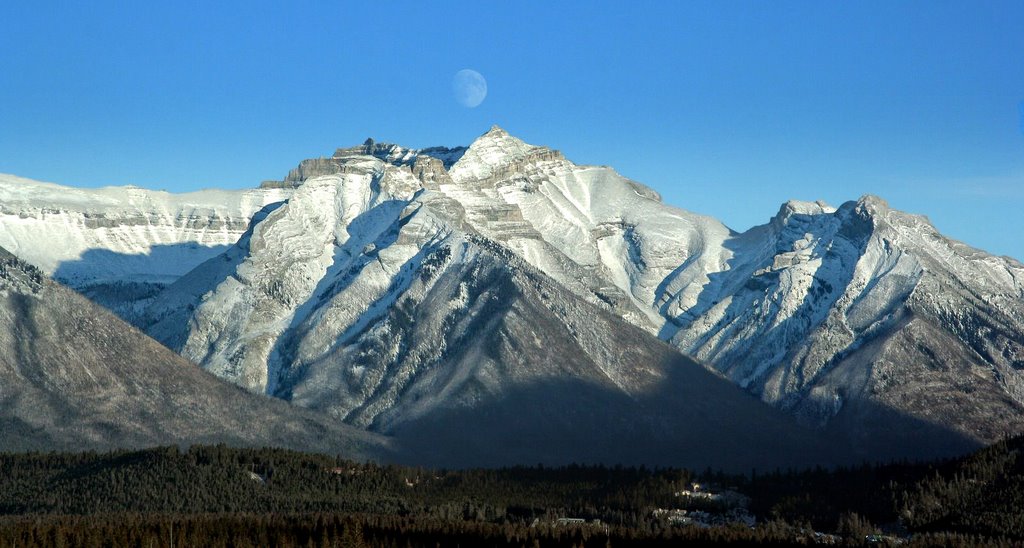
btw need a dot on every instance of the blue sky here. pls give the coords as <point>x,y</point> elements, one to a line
<point>726,108</point>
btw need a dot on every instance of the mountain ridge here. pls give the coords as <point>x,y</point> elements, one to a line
<point>844,316</point>
<point>75,377</point>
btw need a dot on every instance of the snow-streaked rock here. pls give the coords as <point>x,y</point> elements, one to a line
<point>74,377</point>
<point>606,237</point>
<point>121,244</point>
<point>364,294</point>
<point>830,312</point>
<point>375,301</point>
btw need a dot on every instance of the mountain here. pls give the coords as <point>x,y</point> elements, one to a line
<point>391,286</point>
<point>860,315</point>
<point>74,376</point>
<point>121,245</point>
<point>369,297</point>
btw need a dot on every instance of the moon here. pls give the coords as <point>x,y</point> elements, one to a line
<point>469,87</point>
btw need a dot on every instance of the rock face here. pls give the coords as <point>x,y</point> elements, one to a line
<point>851,315</point>
<point>73,376</point>
<point>390,153</point>
<point>395,286</point>
<point>121,245</point>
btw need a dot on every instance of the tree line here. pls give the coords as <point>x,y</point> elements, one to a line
<point>221,496</point>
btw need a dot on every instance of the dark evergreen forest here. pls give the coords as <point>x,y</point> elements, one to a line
<point>221,496</point>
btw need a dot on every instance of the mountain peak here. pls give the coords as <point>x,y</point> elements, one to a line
<point>488,152</point>
<point>498,137</point>
<point>868,207</point>
<point>800,207</point>
<point>873,203</point>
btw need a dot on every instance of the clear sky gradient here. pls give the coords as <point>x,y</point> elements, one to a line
<point>726,108</point>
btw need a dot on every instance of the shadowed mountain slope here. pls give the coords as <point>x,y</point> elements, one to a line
<point>74,376</point>
<point>827,312</point>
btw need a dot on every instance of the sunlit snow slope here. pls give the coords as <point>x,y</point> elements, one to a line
<point>362,294</point>
<point>121,244</point>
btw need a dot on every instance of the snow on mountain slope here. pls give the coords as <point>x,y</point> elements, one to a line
<point>835,311</point>
<point>73,377</point>
<point>121,243</point>
<point>608,238</point>
<point>813,312</point>
<point>327,229</point>
<point>776,308</point>
<point>858,318</point>
<point>372,299</point>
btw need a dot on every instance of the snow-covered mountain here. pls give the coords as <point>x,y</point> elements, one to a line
<point>372,298</point>
<point>860,314</point>
<point>390,286</point>
<point>120,245</point>
<point>73,376</point>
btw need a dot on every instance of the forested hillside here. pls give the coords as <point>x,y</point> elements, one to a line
<point>220,496</point>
